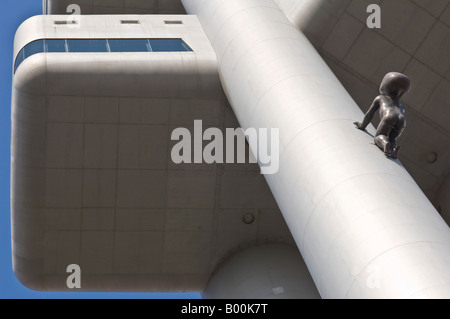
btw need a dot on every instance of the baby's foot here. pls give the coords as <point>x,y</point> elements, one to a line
<point>394,153</point>
<point>388,150</point>
<point>358,125</point>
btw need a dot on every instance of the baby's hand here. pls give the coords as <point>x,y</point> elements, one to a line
<point>358,125</point>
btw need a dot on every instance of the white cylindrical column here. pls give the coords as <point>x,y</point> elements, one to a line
<point>269,271</point>
<point>363,226</point>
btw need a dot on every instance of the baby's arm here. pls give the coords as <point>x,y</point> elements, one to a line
<point>369,115</point>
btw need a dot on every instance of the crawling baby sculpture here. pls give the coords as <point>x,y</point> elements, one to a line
<point>392,113</point>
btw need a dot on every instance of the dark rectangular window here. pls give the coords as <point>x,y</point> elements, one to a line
<point>129,45</point>
<point>129,22</point>
<point>173,22</point>
<point>33,48</point>
<point>55,45</point>
<point>65,22</point>
<point>168,45</point>
<point>87,45</point>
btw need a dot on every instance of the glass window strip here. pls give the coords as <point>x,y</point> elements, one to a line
<point>88,45</point>
<point>108,48</point>
<point>33,48</point>
<point>55,45</point>
<point>19,60</point>
<point>150,45</point>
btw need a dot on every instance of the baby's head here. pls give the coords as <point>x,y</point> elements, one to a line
<point>395,85</point>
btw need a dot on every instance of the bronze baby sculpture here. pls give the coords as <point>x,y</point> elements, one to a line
<point>392,113</point>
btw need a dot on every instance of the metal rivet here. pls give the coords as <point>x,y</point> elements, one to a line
<point>248,218</point>
<point>432,157</point>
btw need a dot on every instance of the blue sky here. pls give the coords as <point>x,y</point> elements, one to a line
<point>13,14</point>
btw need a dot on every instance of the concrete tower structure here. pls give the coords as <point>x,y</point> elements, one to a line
<point>96,98</point>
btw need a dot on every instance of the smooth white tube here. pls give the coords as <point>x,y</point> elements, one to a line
<point>268,271</point>
<point>363,226</point>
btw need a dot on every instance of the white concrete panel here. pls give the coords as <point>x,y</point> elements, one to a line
<point>97,251</point>
<point>341,38</point>
<point>245,189</point>
<point>128,219</point>
<point>144,111</point>
<point>190,219</point>
<point>445,17</point>
<point>192,243</point>
<point>425,81</point>
<point>65,145</point>
<point>143,147</point>
<point>63,188</point>
<point>62,219</point>
<point>421,147</point>
<point>200,194</point>
<point>433,7</point>
<point>61,248</point>
<point>100,145</point>
<point>434,50</point>
<point>131,256</point>
<point>98,219</point>
<point>185,265</point>
<point>437,104</point>
<point>65,109</point>
<point>186,111</point>
<point>405,24</point>
<point>102,110</point>
<point>99,188</point>
<point>141,189</point>
<point>368,46</point>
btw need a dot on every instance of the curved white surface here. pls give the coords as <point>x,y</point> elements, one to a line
<point>363,226</point>
<point>269,271</point>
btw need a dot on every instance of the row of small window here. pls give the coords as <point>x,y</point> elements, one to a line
<point>100,45</point>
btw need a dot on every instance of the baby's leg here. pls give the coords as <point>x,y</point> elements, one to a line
<point>395,133</point>
<point>381,137</point>
<point>383,143</point>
